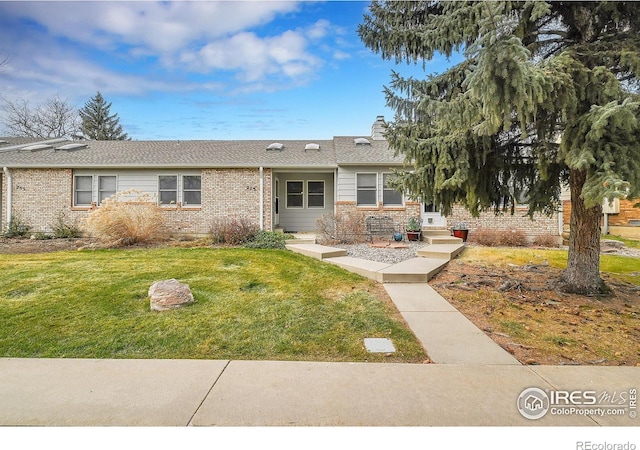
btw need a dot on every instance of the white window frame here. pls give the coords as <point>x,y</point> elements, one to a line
<point>376,190</point>
<point>177,190</point>
<point>99,201</point>
<point>287,194</point>
<point>75,191</point>
<point>385,188</point>
<point>183,190</point>
<point>324,193</point>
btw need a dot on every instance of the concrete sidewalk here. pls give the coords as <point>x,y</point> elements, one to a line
<point>84,392</point>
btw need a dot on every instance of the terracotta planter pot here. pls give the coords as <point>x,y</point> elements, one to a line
<point>413,235</point>
<point>462,234</point>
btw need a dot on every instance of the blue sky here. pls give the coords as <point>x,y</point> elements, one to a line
<point>202,69</point>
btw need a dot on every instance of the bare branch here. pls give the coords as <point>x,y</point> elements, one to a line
<point>52,119</point>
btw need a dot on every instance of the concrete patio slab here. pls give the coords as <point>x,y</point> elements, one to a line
<point>441,251</point>
<point>316,251</point>
<point>450,338</point>
<point>363,267</point>
<point>275,393</point>
<point>91,392</point>
<point>414,270</point>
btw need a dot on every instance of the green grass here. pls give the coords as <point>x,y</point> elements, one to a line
<point>250,304</point>
<point>620,267</point>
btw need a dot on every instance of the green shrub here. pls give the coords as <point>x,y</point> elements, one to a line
<point>267,239</point>
<point>17,228</point>
<point>64,230</point>
<point>232,231</point>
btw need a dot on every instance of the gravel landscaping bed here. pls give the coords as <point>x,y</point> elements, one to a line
<point>387,255</point>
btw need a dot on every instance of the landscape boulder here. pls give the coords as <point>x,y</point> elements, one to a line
<point>169,294</point>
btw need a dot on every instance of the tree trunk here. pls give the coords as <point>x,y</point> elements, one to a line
<point>582,275</point>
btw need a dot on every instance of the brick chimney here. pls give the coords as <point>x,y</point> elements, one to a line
<point>378,129</point>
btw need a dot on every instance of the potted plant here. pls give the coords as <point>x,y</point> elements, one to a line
<point>461,231</point>
<point>414,229</point>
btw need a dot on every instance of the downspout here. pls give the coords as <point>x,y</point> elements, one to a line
<point>561,219</point>
<point>9,189</point>
<point>261,198</point>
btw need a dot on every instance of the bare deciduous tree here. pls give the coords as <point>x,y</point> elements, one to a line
<point>52,119</point>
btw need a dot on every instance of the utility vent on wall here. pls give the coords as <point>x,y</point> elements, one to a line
<point>276,146</point>
<point>611,208</point>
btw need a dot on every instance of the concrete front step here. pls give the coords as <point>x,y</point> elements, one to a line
<point>430,232</point>
<point>300,241</point>
<point>442,240</point>
<point>316,251</point>
<point>415,270</point>
<point>441,251</point>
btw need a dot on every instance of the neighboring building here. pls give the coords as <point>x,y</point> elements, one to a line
<point>278,185</point>
<point>619,218</point>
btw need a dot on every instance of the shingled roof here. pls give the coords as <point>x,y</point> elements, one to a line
<point>169,154</point>
<point>298,154</point>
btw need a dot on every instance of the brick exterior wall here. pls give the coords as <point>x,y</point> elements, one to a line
<point>40,195</point>
<point>540,225</point>
<point>400,215</point>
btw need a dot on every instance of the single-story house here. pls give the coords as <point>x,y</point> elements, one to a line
<point>282,185</point>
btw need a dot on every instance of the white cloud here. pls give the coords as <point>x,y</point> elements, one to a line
<point>181,37</point>
<point>255,57</point>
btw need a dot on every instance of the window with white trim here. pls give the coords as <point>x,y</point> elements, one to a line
<point>390,197</point>
<point>82,190</point>
<point>106,187</point>
<point>191,190</point>
<point>315,194</point>
<point>167,189</point>
<point>367,189</point>
<point>295,194</point>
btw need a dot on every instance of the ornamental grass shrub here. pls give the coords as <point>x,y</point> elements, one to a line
<point>127,218</point>
<point>341,228</point>
<point>232,231</point>
<point>499,238</point>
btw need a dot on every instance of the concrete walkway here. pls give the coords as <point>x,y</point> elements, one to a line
<point>446,334</point>
<point>474,382</point>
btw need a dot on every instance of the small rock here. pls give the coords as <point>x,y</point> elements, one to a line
<point>169,294</point>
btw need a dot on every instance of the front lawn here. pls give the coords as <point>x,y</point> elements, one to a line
<point>250,304</point>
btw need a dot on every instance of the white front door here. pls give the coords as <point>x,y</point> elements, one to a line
<point>431,216</point>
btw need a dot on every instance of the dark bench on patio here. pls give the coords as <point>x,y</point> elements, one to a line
<point>381,227</point>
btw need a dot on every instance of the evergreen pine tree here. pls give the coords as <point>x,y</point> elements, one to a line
<point>98,123</point>
<point>547,94</point>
